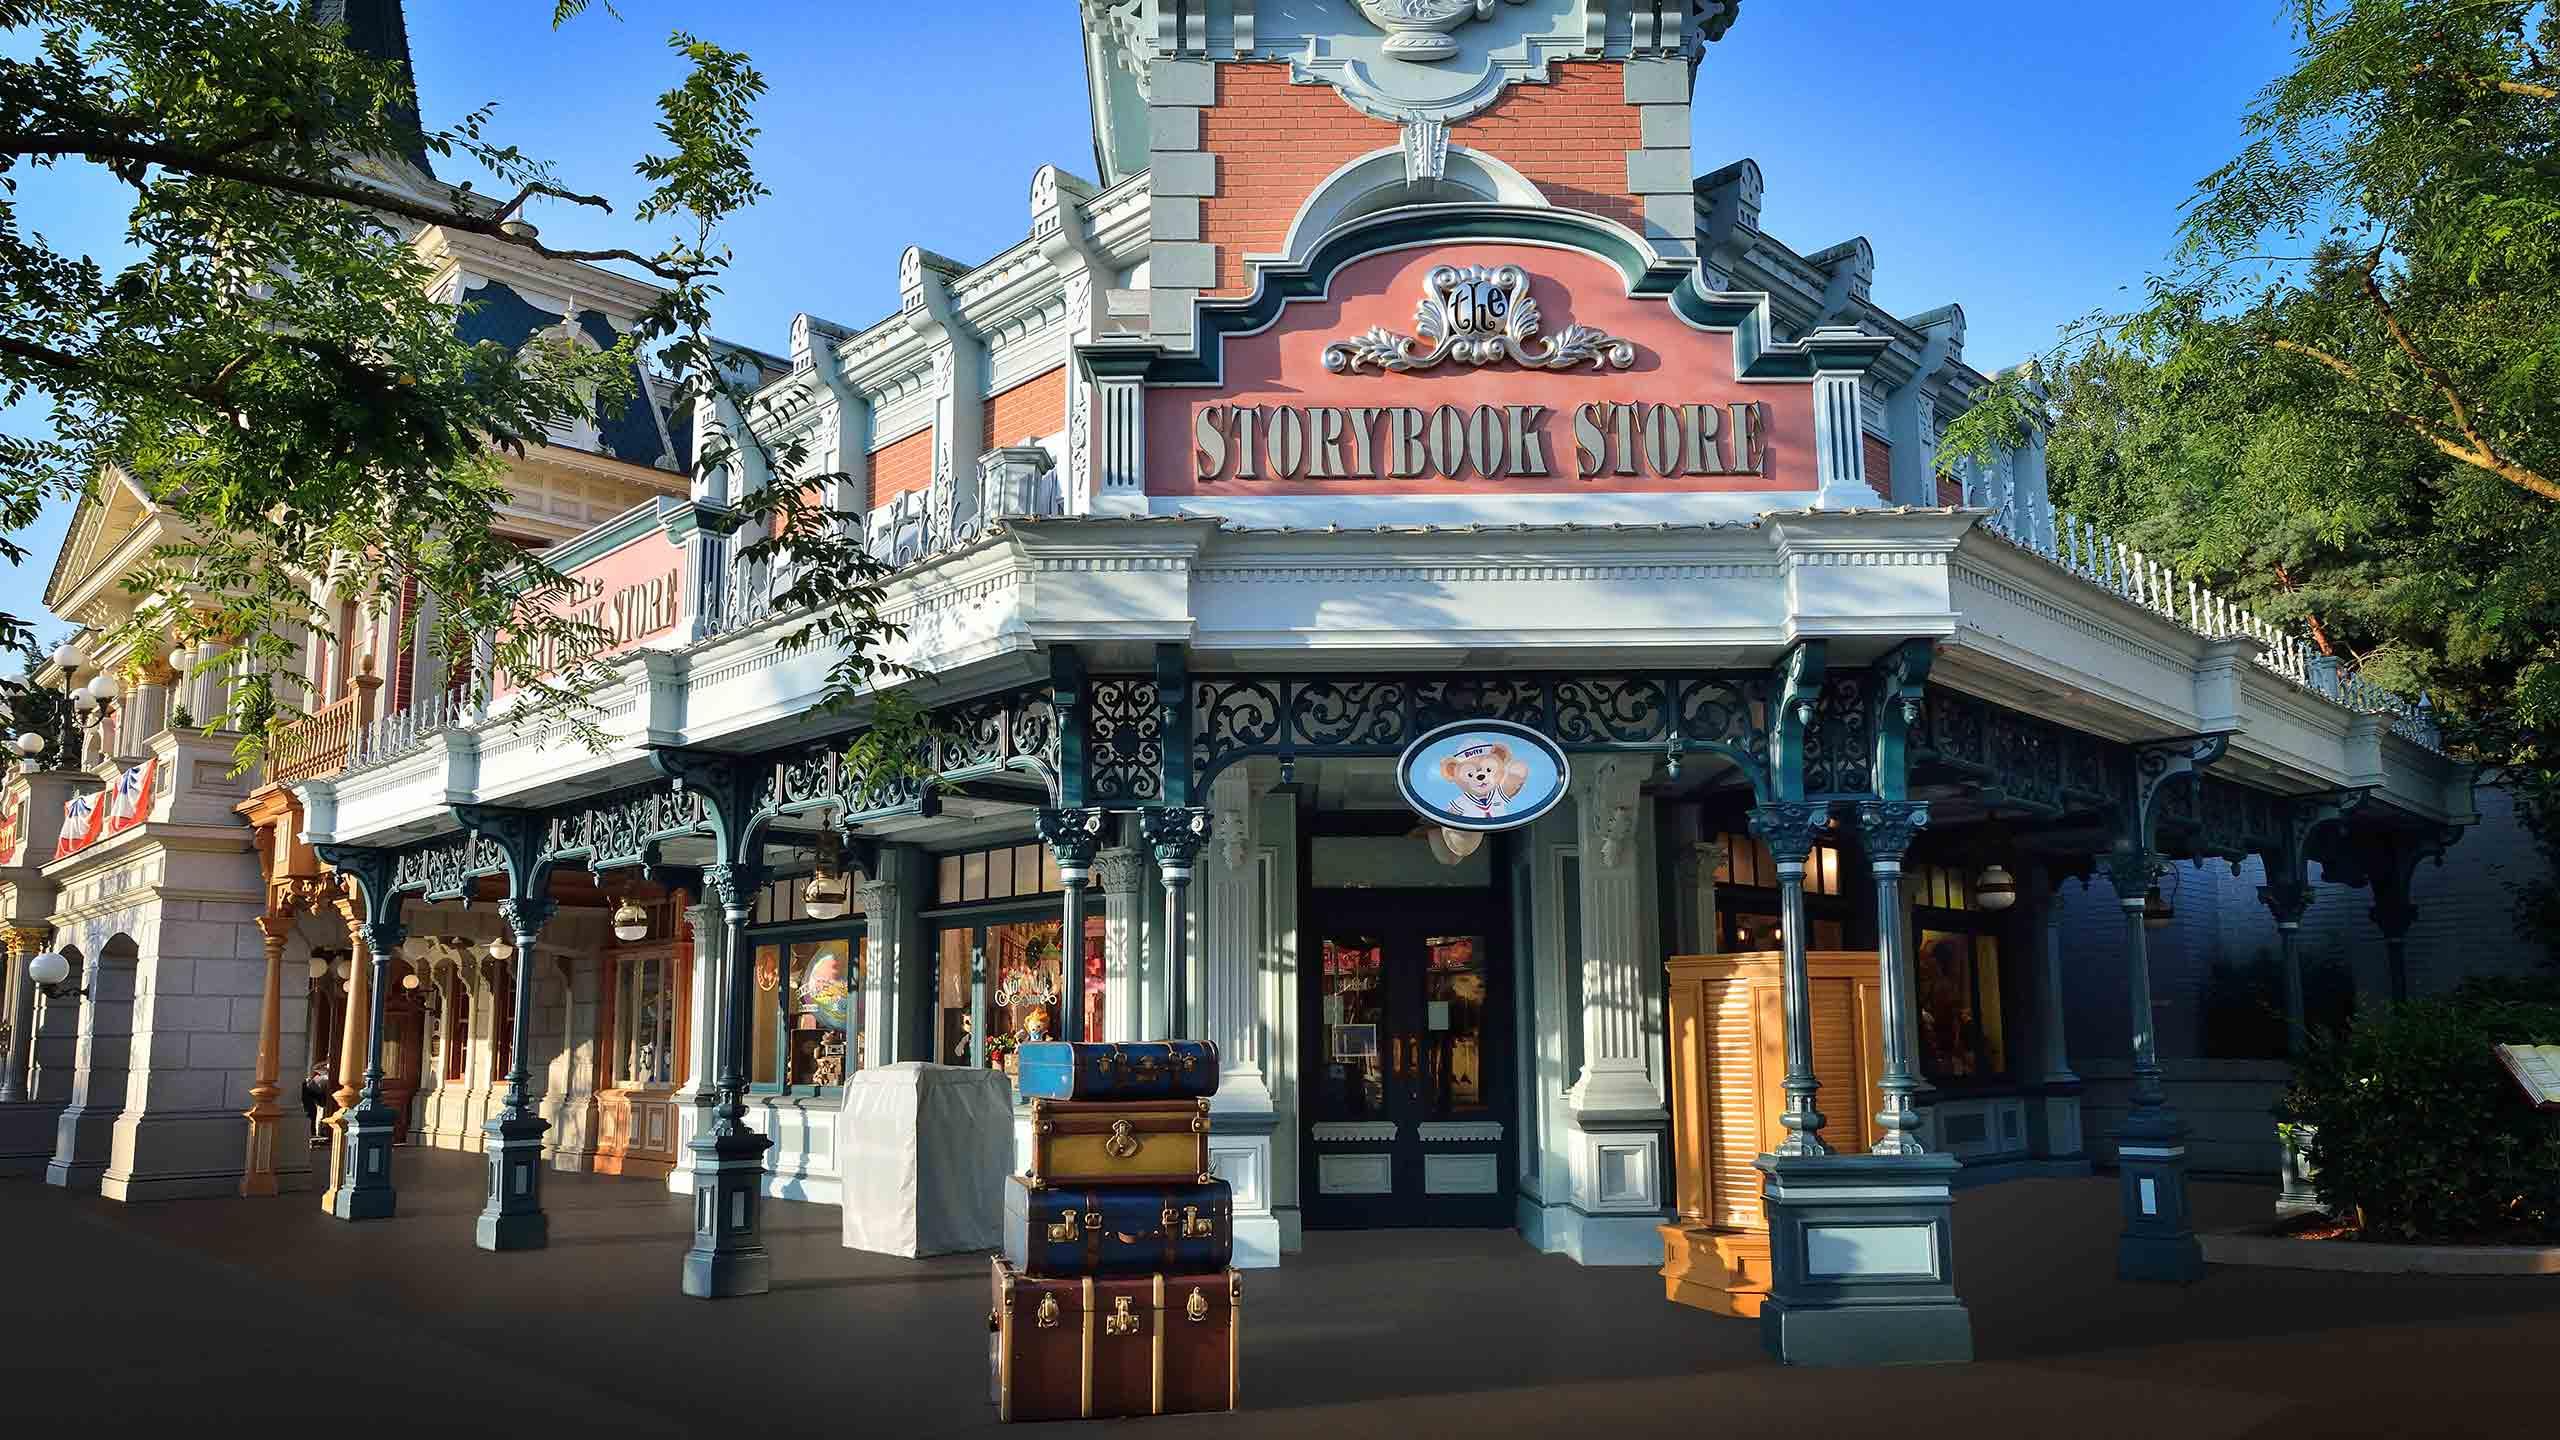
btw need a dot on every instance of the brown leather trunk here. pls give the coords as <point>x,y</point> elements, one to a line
<point>1203,1327</point>
<point>1161,1142</point>
<point>1042,1340</point>
<point>1090,1349</point>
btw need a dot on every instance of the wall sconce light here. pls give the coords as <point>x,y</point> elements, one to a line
<point>1995,888</point>
<point>409,981</point>
<point>2157,911</point>
<point>51,973</point>
<point>630,922</point>
<point>501,948</point>
<point>344,968</point>
<point>319,967</point>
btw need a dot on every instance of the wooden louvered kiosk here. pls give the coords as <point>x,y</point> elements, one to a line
<point>1728,1065</point>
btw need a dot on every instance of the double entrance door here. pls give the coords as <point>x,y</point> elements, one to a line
<point>1408,1060</point>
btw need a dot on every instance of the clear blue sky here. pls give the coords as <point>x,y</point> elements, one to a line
<point>2025,158</point>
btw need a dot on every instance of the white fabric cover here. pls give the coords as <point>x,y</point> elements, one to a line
<point>924,1150</point>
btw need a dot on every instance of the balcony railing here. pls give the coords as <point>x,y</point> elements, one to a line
<point>948,514</point>
<point>2082,549</point>
<point>391,736</point>
<point>319,743</point>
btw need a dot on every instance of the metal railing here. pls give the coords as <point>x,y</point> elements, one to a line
<point>2080,548</point>
<point>388,737</point>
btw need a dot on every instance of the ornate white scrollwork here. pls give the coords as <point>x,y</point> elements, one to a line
<point>1478,315</point>
<point>1419,29</point>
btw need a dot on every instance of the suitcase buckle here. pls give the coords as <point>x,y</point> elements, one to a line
<point>1123,1320</point>
<point>1065,1230</point>
<point>1197,1307</point>
<point>1047,1315</point>
<point>1093,1219</point>
<point>1123,1141</point>
<point>1193,1227</point>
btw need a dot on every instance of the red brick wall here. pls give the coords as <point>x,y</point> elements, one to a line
<point>1879,466</point>
<point>1036,407</point>
<point>1276,141</point>
<point>901,466</point>
<point>1950,490</point>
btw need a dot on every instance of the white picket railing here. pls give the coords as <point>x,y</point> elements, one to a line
<point>2108,563</point>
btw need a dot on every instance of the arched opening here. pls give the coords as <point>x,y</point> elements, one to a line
<point>101,1065</point>
<point>1377,181</point>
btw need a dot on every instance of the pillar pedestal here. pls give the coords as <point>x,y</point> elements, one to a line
<point>512,1218</point>
<point>728,1255</point>
<point>1862,1261</point>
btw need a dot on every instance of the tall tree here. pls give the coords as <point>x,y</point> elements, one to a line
<point>268,367</point>
<point>2341,402</point>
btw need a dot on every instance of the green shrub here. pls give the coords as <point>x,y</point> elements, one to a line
<point>2422,1134</point>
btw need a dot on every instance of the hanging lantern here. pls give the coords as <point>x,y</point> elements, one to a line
<point>2157,912</point>
<point>827,895</point>
<point>1995,888</point>
<point>630,922</point>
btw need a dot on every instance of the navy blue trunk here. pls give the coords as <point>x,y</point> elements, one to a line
<point>1123,1230</point>
<point>1146,1070</point>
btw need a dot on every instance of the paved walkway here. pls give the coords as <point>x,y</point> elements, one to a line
<point>119,1318</point>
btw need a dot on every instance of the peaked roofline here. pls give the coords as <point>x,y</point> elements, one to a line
<point>378,30</point>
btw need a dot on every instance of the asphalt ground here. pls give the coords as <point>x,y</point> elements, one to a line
<point>207,1316</point>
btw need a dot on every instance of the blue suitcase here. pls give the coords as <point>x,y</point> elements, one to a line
<point>1144,1070</point>
<point>1055,1232</point>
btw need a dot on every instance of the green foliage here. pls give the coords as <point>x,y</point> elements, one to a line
<point>2341,407</point>
<point>2421,1133</point>
<point>270,370</point>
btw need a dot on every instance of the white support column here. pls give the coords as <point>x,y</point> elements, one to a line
<point>709,926</point>
<point>2062,1134</point>
<point>1229,997</point>
<point>887,908</point>
<point>1619,1179</point>
<point>1701,923</point>
<point>1120,873</point>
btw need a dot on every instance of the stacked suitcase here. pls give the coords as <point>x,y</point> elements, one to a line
<point>1114,1295</point>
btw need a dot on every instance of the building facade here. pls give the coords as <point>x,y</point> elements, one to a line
<point>1400,367</point>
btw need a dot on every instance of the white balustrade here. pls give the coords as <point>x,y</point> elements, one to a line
<point>2079,548</point>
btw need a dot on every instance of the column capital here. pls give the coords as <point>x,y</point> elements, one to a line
<point>736,885</point>
<point>1073,833</point>
<point>1890,825</point>
<point>2287,901</point>
<point>1608,800</point>
<point>2132,872</point>
<point>1788,828</point>
<point>1701,858</point>
<point>527,914</point>
<point>1175,832</point>
<point>1119,870</point>
<point>27,940</point>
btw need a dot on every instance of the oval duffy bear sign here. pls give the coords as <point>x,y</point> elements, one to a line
<point>1482,775</point>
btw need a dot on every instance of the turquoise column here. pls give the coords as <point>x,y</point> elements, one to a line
<point>728,1255</point>
<point>365,1192</point>
<point>2159,1239</point>
<point>511,1217</point>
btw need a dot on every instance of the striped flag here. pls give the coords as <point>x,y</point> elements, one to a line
<point>131,803</point>
<point>80,817</point>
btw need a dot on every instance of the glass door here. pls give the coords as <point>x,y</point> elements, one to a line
<point>1409,1038</point>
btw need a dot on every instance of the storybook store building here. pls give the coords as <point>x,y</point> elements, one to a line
<point>1448,609</point>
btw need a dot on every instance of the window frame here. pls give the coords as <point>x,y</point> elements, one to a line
<point>855,931</point>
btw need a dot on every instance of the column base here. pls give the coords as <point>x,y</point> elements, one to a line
<point>2159,1240</point>
<point>365,1192</point>
<point>512,1218</point>
<point>28,1131</point>
<point>2299,1196</point>
<point>1862,1261</point>
<point>728,1255</point>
